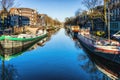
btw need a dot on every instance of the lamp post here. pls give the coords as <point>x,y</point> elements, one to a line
<point>108,24</point>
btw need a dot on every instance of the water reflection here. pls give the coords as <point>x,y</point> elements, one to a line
<point>8,72</point>
<point>58,62</point>
<point>87,65</point>
<point>109,69</point>
<point>96,65</point>
<point>18,51</point>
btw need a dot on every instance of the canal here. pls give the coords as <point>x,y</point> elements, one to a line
<point>61,58</point>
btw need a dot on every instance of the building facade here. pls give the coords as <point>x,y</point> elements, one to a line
<point>4,19</point>
<point>92,19</point>
<point>114,6</point>
<point>23,16</point>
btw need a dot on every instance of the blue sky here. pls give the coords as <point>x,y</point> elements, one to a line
<point>59,9</point>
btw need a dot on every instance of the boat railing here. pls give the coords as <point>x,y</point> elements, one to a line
<point>98,40</point>
<point>107,43</point>
<point>102,41</point>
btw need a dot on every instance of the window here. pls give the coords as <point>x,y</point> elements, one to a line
<point>117,11</point>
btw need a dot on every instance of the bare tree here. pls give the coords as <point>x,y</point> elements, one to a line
<point>6,4</point>
<point>89,4</point>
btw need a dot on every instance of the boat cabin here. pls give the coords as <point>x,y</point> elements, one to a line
<point>75,28</point>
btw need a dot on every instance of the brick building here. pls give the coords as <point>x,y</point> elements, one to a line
<point>23,16</point>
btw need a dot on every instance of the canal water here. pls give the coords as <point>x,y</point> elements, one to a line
<point>61,58</point>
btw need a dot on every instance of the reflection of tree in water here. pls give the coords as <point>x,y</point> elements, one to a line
<point>85,63</point>
<point>8,72</point>
<point>88,64</point>
<point>77,44</point>
<point>67,33</point>
<point>89,67</point>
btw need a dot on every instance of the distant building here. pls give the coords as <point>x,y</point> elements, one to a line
<point>82,19</point>
<point>92,19</point>
<point>45,20</point>
<point>114,6</point>
<point>23,16</point>
<point>42,19</point>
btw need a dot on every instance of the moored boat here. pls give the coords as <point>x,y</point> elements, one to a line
<point>105,48</point>
<point>75,28</point>
<point>10,45</point>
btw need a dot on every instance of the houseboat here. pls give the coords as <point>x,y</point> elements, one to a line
<point>75,28</point>
<point>105,48</point>
<point>10,45</point>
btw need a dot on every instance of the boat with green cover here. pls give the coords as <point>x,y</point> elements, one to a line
<point>10,45</point>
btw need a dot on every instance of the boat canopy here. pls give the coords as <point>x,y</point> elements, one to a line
<point>20,39</point>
